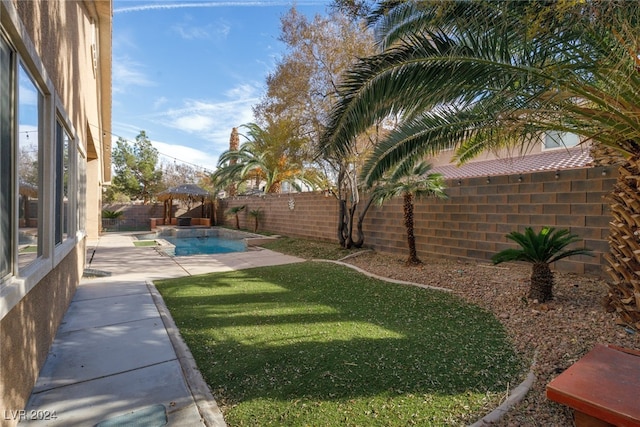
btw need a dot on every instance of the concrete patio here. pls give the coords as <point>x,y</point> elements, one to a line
<point>117,358</point>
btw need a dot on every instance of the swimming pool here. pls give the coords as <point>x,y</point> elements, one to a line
<point>183,246</point>
<point>185,242</point>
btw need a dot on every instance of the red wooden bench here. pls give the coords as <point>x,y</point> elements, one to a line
<point>603,388</point>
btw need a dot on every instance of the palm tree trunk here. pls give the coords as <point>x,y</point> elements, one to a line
<point>275,188</point>
<point>408,223</point>
<point>624,245</point>
<point>541,288</point>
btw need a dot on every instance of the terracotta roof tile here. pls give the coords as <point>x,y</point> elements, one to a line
<point>575,157</point>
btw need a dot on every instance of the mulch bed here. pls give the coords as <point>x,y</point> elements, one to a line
<point>558,333</point>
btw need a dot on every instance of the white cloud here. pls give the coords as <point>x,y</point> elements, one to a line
<point>243,91</point>
<point>223,30</point>
<point>204,122</point>
<point>194,123</point>
<point>126,72</point>
<point>159,102</point>
<point>123,39</point>
<point>213,119</point>
<point>187,155</point>
<point>188,30</point>
<point>172,152</point>
<point>190,33</point>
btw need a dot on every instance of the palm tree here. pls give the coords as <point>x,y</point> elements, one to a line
<point>234,145</point>
<point>269,157</point>
<point>411,182</point>
<point>477,76</point>
<point>235,212</point>
<point>257,216</point>
<point>540,250</point>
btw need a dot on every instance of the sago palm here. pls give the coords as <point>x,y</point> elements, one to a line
<point>478,75</point>
<point>411,182</point>
<point>540,249</point>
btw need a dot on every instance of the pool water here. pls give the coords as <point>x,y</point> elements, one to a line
<point>205,245</point>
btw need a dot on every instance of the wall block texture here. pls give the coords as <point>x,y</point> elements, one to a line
<point>470,224</point>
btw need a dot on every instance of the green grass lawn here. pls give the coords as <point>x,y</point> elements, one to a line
<point>308,249</point>
<point>144,243</point>
<point>316,344</point>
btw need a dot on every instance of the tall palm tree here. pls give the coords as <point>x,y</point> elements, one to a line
<point>540,249</point>
<point>411,182</point>
<point>478,75</point>
<point>268,157</point>
<point>234,145</point>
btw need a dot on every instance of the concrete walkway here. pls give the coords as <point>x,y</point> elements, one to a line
<point>117,358</point>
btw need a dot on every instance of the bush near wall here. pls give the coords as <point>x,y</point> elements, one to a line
<point>135,217</point>
<point>470,225</point>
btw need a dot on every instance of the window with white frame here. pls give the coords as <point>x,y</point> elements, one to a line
<point>6,157</point>
<point>63,183</point>
<point>30,169</point>
<point>41,182</point>
<point>81,193</point>
<point>555,139</point>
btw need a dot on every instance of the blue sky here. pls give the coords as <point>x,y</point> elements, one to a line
<point>188,72</point>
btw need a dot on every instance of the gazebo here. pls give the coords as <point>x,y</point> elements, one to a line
<point>186,192</point>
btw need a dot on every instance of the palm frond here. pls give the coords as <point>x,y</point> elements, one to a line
<point>572,70</point>
<point>509,255</point>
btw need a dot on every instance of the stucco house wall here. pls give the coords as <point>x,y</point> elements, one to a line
<point>66,48</point>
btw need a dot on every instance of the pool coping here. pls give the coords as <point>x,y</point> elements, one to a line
<point>164,247</point>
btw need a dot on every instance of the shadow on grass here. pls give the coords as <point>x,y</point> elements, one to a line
<point>324,332</point>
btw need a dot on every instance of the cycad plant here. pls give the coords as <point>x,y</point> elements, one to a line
<point>107,214</point>
<point>540,249</point>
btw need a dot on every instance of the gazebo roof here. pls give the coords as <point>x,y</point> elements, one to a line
<point>28,190</point>
<point>184,192</point>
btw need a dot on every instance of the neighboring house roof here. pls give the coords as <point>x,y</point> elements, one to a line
<point>575,157</point>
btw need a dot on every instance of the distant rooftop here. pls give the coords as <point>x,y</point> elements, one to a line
<point>575,157</point>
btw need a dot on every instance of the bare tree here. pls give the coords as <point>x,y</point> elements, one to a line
<point>302,90</point>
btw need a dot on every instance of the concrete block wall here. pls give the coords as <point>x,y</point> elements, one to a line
<point>136,216</point>
<point>470,225</point>
<point>473,222</point>
<point>309,215</point>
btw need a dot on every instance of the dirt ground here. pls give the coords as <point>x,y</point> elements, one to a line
<point>558,333</point>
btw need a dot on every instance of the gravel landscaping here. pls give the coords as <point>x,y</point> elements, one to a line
<point>557,333</point>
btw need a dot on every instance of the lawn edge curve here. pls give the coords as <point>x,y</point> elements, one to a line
<point>514,397</point>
